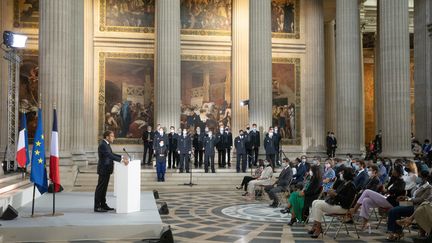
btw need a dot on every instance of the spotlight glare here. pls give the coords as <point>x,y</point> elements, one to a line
<point>11,39</point>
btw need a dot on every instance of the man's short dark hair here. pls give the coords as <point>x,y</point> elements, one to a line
<point>107,133</point>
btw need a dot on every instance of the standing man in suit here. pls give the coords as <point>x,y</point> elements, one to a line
<point>229,144</point>
<point>184,149</point>
<point>210,142</point>
<point>240,146</point>
<point>248,145</point>
<point>281,184</point>
<point>148,137</point>
<point>198,140</point>
<point>255,141</point>
<point>270,147</point>
<point>221,147</point>
<point>331,144</point>
<point>172,148</point>
<point>105,169</point>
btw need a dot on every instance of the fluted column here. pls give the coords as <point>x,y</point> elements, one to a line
<point>330,76</point>
<point>240,63</point>
<point>260,64</point>
<point>167,105</point>
<point>77,83</point>
<point>348,76</point>
<point>314,78</point>
<point>90,86</point>
<point>423,69</point>
<point>395,78</point>
<point>55,73</point>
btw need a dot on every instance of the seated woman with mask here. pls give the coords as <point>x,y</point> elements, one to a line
<point>265,179</point>
<point>256,175</point>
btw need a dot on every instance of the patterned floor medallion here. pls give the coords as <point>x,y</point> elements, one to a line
<point>256,212</point>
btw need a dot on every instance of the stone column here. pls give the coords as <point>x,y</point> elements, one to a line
<point>423,69</point>
<point>55,72</point>
<point>330,76</point>
<point>314,84</point>
<point>260,64</point>
<point>90,111</point>
<point>395,78</point>
<point>348,76</point>
<point>77,84</point>
<point>240,64</point>
<point>168,82</point>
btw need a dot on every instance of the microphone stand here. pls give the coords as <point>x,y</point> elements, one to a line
<point>190,174</point>
<point>251,164</point>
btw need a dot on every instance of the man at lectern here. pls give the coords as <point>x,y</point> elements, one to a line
<point>105,169</point>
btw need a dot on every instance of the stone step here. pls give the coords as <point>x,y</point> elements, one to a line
<point>12,184</point>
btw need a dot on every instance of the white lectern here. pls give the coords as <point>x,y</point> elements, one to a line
<point>127,186</point>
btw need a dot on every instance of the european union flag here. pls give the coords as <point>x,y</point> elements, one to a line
<point>38,173</point>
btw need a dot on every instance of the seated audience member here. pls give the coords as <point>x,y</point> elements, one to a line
<point>383,173</point>
<point>301,171</point>
<point>281,184</point>
<point>338,201</point>
<point>246,179</point>
<point>411,177</point>
<point>374,181</point>
<point>417,149</point>
<point>370,199</point>
<point>361,177</point>
<point>421,194</point>
<point>339,166</point>
<point>263,180</point>
<point>329,175</point>
<point>423,216</point>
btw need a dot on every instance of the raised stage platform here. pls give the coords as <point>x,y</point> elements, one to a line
<point>79,222</point>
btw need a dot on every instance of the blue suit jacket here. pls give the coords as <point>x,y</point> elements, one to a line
<point>360,180</point>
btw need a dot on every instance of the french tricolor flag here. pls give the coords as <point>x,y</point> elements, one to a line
<point>22,155</point>
<point>54,156</point>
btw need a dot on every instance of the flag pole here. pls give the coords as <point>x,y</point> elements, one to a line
<point>54,192</point>
<point>33,201</point>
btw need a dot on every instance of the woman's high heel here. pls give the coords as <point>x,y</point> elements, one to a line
<point>317,232</point>
<point>293,220</point>
<point>394,237</point>
<point>239,187</point>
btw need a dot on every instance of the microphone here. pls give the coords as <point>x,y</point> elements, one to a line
<point>127,153</point>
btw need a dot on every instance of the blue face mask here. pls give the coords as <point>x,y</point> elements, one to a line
<point>355,166</point>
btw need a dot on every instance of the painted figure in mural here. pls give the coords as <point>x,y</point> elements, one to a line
<point>282,16</point>
<point>136,13</point>
<point>206,14</point>
<point>125,114</point>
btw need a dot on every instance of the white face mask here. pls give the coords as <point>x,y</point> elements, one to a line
<point>254,129</point>
<point>284,164</point>
<point>310,173</point>
<point>184,133</point>
<point>341,177</point>
<point>172,131</point>
<point>370,173</point>
<point>304,160</point>
<point>198,131</point>
<point>160,132</point>
<point>161,144</point>
<point>241,135</point>
<point>210,134</point>
<point>206,129</point>
<point>221,130</point>
<point>270,134</point>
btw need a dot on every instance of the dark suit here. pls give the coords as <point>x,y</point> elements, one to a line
<point>158,138</point>
<point>148,137</point>
<point>301,171</point>
<point>270,149</point>
<point>282,184</point>
<point>209,152</point>
<point>184,149</point>
<point>331,144</point>
<point>229,144</point>
<point>278,138</point>
<point>104,169</point>
<point>172,149</point>
<point>198,140</point>
<point>255,140</point>
<point>221,148</point>
<point>360,180</point>
<point>240,146</point>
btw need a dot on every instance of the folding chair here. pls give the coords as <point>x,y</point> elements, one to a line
<point>341,217</point>
<point>283,196</point>
<point>383,213</point>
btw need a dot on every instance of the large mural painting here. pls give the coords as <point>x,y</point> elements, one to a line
<point>205,91</point>
<point>127,15</point>
<point>286,99</point>
<point>26,13</point>
<point>205,17</point>
<point>285,18</point>
<point>126,94</point>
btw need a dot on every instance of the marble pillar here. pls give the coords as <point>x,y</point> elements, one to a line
<point>394,78</point>
<point>330,76</point>
<point>90,111</point>
<point>423,69</point>
<point>260,64</point>
<point>348,77</point>
<point>55,72</point>
<point>240,64</point>
<point>314,100</point>
<point>168,80</point>
<point>77,83</point>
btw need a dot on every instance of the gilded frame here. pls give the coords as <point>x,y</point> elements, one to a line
<point>297,63</point>
<point>103,56</point>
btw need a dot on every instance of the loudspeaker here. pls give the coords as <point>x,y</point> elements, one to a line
<point>9,214</point>
<point>166,235</point>
<point>163,210</point>
<point>155,194</point>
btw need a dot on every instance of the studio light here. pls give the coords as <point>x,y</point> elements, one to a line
<point>244,102</point>
<point>13,40</point>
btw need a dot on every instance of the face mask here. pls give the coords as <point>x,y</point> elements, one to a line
<point>285,165</point>
<point>160,132</point>
<point>327,166</point>
<point>387,162</point>
<point>210,134</point>
<point>370,173</point>
<point>266,164</point>
<point>348,160</point>
<point>221,130</point>
<point>254,129</point>
<point>341,177</point>
<point>379,162</point>
<point>241,135</point>
<point>314,162</point>
<point>276,130</point>
<point>310,173</point>
<point>206,129</point>
<point>270,134</point>
<point>198,131</point>
<point>172,131</point>
<point>184,133</point>
<point>304,160</point>
<point>356,167</point>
